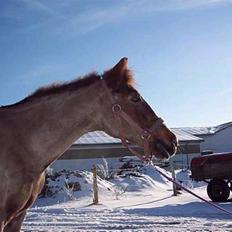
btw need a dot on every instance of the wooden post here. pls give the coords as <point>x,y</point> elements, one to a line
<point>174,178</point>
<point>95,187</point>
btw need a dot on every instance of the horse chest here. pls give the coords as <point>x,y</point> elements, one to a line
<point>15,192</point>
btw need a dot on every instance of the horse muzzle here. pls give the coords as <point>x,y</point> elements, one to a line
<point>163,150</point>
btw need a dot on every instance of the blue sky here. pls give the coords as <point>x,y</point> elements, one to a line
<point>180,50</point>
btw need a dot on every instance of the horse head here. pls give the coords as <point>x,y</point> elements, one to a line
<point>130,118</point>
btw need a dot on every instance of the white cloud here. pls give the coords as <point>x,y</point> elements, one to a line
<point>39,6</point>
<point>123,10</point>
<point>96,16</point>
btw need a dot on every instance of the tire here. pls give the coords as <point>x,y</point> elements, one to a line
<point>218,190</point>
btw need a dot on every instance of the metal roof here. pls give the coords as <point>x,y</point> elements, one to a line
<point>183,136</point>
<point>100,137</point>
<point>197,131</point>
<point>221,127</point>
<point>96,137</point>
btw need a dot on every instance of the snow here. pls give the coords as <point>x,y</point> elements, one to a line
<point>138,200</point>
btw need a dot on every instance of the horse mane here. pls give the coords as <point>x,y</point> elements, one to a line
<point>56,88</point>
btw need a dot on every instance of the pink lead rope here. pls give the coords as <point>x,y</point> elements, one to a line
<point>145,136</point>
<point>189,191</point>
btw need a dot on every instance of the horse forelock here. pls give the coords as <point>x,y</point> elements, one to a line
<point>119,81</point>
<point>129,78</point>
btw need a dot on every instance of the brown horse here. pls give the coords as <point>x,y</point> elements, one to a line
<point>37,131</point>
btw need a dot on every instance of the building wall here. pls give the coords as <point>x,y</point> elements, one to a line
<point>97,151</point>
<point>219,142</point>
<point>186,152</point>
<point>117,150</point>
<point>84,164</point>
<point>182,161</point>
<point>189,148</point>
<point>83,157</point>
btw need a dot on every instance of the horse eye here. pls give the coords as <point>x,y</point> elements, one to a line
<point>136,98</point>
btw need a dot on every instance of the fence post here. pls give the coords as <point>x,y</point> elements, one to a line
<point>95,187</point>
<point>174,178</point>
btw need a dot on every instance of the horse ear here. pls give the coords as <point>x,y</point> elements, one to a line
<point>121,66</point>
<point>117,76</point>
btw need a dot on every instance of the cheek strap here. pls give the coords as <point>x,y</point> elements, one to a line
<point>145,134</point>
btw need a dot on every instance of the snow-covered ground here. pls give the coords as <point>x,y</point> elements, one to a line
<point>133,201</point>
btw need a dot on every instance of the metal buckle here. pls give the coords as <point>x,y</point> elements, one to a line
<point>116,108</point>
<point>146,135</point>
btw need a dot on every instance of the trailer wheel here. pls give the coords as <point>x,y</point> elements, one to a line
<point>218,190</point>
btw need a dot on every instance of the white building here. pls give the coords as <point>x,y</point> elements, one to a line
<point>216,139</point>
<point>93,146</point>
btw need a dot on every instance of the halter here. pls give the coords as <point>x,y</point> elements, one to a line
<point>145,134</point>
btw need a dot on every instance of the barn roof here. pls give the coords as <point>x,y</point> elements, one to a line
<point>222,127</point>
<point>100,137</point>
<point>96,137</point>
<point>197,131</point>
<point>184,134</point>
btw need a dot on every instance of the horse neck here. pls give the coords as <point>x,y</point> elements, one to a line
<point>51,124</point>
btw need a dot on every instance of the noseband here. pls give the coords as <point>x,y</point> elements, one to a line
<point>145,134</point>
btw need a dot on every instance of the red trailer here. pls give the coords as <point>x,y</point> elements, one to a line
<point>216,170</point>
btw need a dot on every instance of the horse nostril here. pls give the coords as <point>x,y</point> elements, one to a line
<point>175,142</point>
